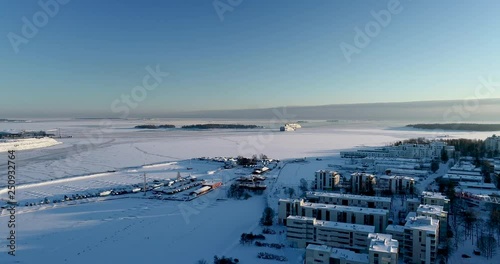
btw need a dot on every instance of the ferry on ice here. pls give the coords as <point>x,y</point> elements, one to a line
<point>290,127</point>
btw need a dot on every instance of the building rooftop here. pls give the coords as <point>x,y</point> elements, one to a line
<point>431,210</point>
<point>435,195</point>
<point>465,173</point>
<point>338,253</point>
<point>424,223</point>
<point>349,196</point>
<point>480,192</point>
<point>394,177</point>
<point>410,215</point>
<point>463,177</point>
<point>348,255</point>
<point>328,171</point>
<point>382,243</point>
<point>344,208</point>
<point>345,226</point>
<point>322,248</point>
<point>480,185</point>
<point>415,200</point>
<point>305,218</point>
<point>395,228</point>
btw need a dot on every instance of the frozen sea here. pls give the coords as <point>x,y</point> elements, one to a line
<point>110,153</point>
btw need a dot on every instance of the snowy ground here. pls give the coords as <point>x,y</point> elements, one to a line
<point>26,144</point>
<point>135,229</point>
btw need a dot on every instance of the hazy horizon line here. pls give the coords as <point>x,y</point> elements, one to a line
<point>378,110</point>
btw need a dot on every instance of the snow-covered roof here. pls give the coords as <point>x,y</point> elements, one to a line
<point>410,172</point>
<point>431,210</point>
<point>327,171</point>
<point>322,248</point>
<point>349,255</point>
<point>382,243</point>
<point>345,226</point>
<point>413,200</point>
<point>457,177</point>
<point>424,223</point>
<point>303,218</point>
<point>477,185</point>
<point>435,195</point>
<point>480,192</point>
<point>337,253</point>
<point>349,196</point>
<point>394,177</point>
<point>410,215</point>
<point>395,228</point>
<point>344,208</point>
<point>468,173</point>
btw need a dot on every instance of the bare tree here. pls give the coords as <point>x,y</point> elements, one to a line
<point>487,245</point>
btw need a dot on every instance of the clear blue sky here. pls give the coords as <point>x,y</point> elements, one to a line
<point>263,54</point>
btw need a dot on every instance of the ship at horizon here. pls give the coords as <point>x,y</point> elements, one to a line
<point>290,127</point>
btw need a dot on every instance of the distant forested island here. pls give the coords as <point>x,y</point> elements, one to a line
<point>458,126</point>
<point>221,126</point>
<point>154,126</point>
<point>11,120</point>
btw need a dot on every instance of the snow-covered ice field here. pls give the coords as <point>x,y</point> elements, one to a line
<point>103,230</point>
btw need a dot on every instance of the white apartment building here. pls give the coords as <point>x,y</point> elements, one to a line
<point>435,198</point>
<point>437,212</point>
<point>412,204</point>
<point>397,232</point>
<point>351,200</point>
<point>396,184</point>
<point>383,249</point>
<point>362,182</point>
<point>325,254</point>
<point>462,178</point>
<point>335,213</point>
<point>326,180</point>
<point>420,240</point>
<point>302,231</point>
<point>408,151</point>
<point>492,143</point>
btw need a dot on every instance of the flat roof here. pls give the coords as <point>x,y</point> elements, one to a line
<point>436,195</point>
<point>349,196</point>
<point>424,223</point>
<point>415,200</point>
<point>481,185</point>
<point>483,192</point>
<point>345,226</point>
<point>410,215</point>
<point>338,253</point>
<point>296,217</point>
<point>322,248</point>
<point>462,177</point>
<point>330,171</point>
<point>431,209</point>
<point>395,228</point>
<point>344,208</point>
<point>383,243</point>
<point>387,177</point>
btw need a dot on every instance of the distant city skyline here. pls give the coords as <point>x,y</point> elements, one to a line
<point>93,58</point>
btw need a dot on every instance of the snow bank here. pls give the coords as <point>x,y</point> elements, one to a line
<point>28,143</point>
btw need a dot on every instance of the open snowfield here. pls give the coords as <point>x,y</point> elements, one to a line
<point>125,230</point>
